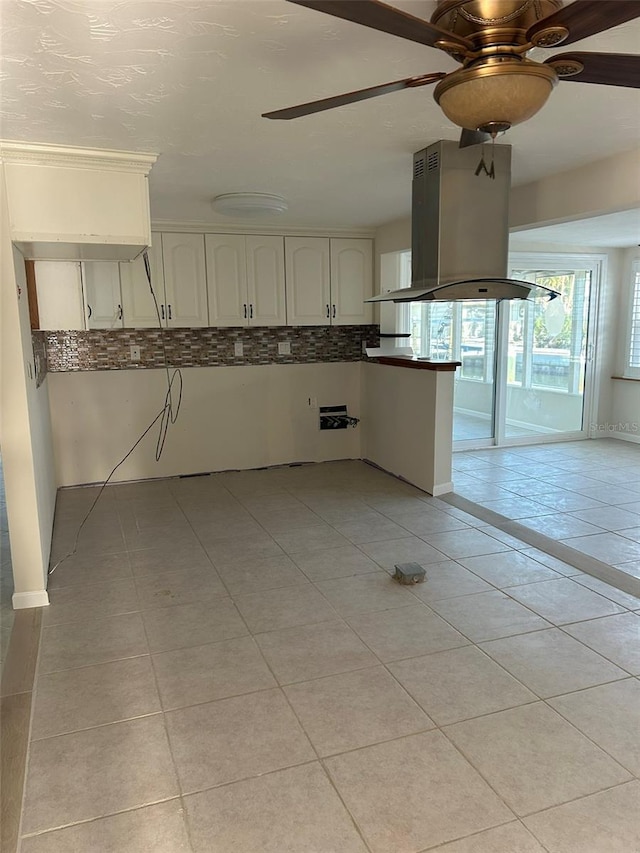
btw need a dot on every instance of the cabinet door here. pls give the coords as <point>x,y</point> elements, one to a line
<point>103,302</point>
<point>227,280</point>
<point>351,281</point>
<point>265,281</point>
<point>137,302</point>
<point>307,267</point>
<point>185,281</point>
<point>59,290</point>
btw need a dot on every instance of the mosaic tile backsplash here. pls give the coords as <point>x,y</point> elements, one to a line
<point>210,347</point>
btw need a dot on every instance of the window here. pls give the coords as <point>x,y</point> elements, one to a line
<point>633,354</point>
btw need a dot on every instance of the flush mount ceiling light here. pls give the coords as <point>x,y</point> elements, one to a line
<point>249,205</point>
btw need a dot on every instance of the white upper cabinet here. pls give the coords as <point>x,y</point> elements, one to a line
<point>227,280</point>
<point>265,281</point>
<point>328,281</point>
<point>245,280</point>
<point>351,281</point>
<point>137,302</point>
<point>59,291</point>
<point>185,280</point>
<point>103,302</point>
<point>308,288</point>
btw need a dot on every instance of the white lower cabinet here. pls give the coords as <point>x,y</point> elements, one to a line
<point>59,291</point>
<point>245,280</point>
<point>328,281</point>
<point>103,300</point>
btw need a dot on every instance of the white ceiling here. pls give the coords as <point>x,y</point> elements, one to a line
<point>190,79</point>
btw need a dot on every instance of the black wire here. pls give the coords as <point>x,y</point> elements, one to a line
<point>167,415</point>
<point>169,411</point>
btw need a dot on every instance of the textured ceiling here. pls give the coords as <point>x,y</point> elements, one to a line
<point>190,79</point>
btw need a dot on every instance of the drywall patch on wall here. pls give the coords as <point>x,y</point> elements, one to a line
<point>210,347</point>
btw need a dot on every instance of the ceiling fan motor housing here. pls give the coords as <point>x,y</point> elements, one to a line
<point>497,86</point>
<point>486,22</point>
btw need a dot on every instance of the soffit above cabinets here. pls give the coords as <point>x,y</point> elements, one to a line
<point>72,204</point>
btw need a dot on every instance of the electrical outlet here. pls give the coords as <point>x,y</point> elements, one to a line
<point>238,348</point>
<point>284,347</point>
<point>135,353</point>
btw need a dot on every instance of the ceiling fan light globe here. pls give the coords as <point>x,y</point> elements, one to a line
<point>483,96</point>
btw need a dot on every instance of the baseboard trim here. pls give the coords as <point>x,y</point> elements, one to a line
<point>625,436</point>
<point>23,600</point>
<point>442,489</point>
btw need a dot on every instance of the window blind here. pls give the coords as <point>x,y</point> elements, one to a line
<point>634,340</point>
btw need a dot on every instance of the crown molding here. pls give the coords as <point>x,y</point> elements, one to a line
<point>251,227</point>
<point>68,156</point>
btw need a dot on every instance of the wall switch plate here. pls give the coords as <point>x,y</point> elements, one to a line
<point>313,402</point>
<point>284,347</point>
<point>135,353</point>
<point>238,348</point>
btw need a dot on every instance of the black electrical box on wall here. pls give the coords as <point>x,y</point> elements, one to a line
<point>336,417</point>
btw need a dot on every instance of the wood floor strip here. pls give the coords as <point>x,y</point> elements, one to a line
<point>15,716</point>
<point>587,564</point>
<point>15,712</point>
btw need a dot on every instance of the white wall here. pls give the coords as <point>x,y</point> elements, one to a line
<point>408,423</point>
<point>605,186</point>
<point>25,434</point>
<point>231,418</point>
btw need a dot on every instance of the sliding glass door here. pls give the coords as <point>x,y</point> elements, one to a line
<point>545,369</point>
<point>526,365</point>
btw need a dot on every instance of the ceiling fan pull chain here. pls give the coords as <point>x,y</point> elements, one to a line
<point>492,169</point>
<point>482,165</point>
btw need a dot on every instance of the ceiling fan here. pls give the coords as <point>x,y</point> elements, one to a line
<point>497,85</point>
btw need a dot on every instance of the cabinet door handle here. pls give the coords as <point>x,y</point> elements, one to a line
<point>119,312</point>
<point>250,310</point>
<point>334,311</point>
<point>169,307</point>
<point>328,315</point>
<point>244,305</point>
<point>162,311</point>
<point>90,312</point>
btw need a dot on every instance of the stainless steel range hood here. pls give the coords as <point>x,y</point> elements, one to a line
<point>460,226</point>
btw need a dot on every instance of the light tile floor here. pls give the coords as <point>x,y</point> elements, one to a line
<point>585,494</point>
<point>227,665</point>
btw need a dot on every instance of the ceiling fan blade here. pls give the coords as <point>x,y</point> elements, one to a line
<point>585,18</point>
<point>352,97</point>
<point>387,19</point>
<point>472,137</point>
<point>610,69</point>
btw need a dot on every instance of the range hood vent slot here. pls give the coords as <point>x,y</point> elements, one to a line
<point>433,161</point>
